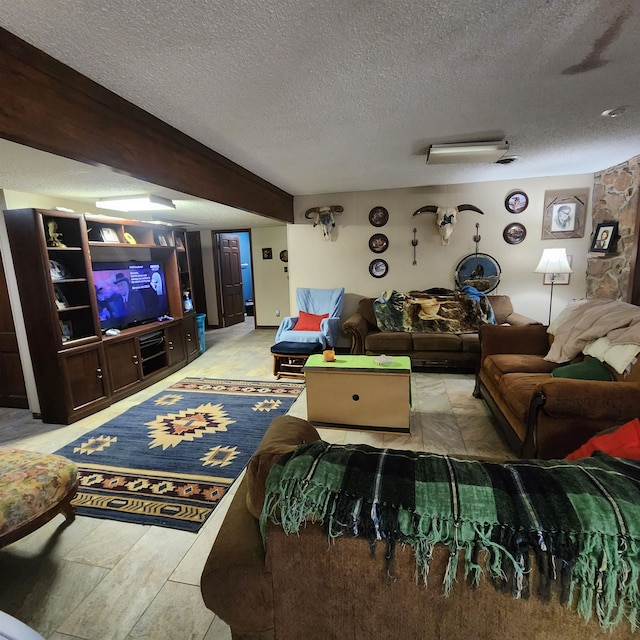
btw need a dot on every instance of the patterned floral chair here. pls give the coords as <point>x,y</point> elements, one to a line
<point>34,488</point>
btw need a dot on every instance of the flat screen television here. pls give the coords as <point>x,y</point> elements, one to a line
<point>129,293</point>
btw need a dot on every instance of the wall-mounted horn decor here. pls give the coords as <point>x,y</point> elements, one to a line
<point>446,217</point>
<point>325,217</point>
<point>414,244</point>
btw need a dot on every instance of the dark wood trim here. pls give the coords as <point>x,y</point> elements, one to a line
<point>633,291</point>
<point>196,269</point>
<point>506,431</point>
<point>49,106</point>
<point>215,244</point>
<point>65,507</point>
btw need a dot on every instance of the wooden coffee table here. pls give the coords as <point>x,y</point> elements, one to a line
<point>355,392</point>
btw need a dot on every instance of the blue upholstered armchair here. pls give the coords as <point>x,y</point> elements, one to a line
<point>317,302</point>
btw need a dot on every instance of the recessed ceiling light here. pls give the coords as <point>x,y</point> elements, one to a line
<point>616,112</point>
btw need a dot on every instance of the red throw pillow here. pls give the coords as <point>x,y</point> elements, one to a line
<point>624,442</point>
<point>309,321</point>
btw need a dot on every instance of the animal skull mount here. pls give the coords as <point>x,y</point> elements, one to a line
<point>446,217</point>
<point>324,216</point>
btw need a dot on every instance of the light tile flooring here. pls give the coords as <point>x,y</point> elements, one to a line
<point>106,580</point>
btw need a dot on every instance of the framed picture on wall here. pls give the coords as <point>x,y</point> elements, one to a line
<point>564,214</point>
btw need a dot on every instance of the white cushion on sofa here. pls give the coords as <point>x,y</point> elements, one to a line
<point>618,356</point>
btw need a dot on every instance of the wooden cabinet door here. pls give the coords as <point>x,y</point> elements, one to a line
<point>175,344</point>
<point>86,384</point>
<point>124,363</point>
<point>13,392</point>
<point>190,329</point>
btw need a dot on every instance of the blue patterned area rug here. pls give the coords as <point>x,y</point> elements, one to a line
<point>169,460</point>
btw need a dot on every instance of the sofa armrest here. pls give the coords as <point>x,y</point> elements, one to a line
<point>357,328</point>
<point>235,584</point>
<point>592,399</point>
<point>530,339</point>
<point>518,320</point>
<point>286,324</point>
<point>565,413</point>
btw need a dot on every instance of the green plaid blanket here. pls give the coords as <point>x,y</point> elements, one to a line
<point>578,521</point>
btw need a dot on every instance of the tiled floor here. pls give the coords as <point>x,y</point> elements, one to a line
<point>105,580</point>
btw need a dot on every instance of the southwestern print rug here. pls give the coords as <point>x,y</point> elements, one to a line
<point>169,460</point>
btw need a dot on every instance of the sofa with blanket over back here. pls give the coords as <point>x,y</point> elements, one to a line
<point>361,542</point>
<point>552,389</point>
<point>435,328</point>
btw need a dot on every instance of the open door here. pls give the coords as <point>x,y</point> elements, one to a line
<point>231,293</point>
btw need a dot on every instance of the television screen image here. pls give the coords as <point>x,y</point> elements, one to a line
<point>129,293</point>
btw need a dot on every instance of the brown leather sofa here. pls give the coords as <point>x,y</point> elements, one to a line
<point>542,416</point>
<point>305,586</point>
<point>447,350</point>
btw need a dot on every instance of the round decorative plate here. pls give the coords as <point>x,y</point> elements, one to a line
<point>129,238</point>
<point>516,201</point>
<point>378,216</point>
<point>284,255</point>
<point>514,233</point>
<point>378,268</point>
<point>478,270</point>
<point>378,243</point>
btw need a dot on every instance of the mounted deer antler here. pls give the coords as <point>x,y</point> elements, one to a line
<point>446,217</point>
<point>324,216</point>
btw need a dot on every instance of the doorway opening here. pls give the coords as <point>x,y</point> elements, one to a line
<point>234,276</point>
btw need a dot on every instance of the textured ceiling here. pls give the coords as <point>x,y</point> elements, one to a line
<point>345,95</point>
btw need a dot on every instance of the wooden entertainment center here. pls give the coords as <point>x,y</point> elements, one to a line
<point>79,370</point>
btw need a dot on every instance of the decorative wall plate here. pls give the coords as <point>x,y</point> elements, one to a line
<point>514,233</point>
<point>478,270</point>
<point>516,201</point>
<point>378,243</point>
<point>378,268</point>
<point>378,216</point>
<point>284,255</point>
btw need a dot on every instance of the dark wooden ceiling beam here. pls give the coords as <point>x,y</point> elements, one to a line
<point>49,106</point>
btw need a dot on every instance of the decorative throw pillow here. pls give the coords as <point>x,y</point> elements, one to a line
<point>623,442</point>
<point>588,369</point>
<point>309,321</point>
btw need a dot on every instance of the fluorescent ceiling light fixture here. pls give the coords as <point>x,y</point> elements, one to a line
<point>471,152</point>
<point>136,203</point>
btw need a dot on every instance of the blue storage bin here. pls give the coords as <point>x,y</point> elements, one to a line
<point>201,319</point>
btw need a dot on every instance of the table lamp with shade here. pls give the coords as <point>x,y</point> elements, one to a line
<point>553,261</point>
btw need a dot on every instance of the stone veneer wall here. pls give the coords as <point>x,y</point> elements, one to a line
<point>615,197</point>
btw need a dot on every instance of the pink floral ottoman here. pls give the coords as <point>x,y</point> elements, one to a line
<point>34,487</point>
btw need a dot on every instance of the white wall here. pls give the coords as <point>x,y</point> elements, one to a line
<point>344,261</point>
<point>270,281</point>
